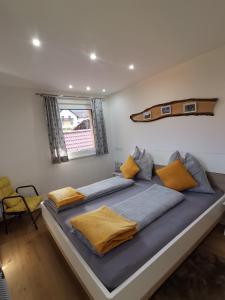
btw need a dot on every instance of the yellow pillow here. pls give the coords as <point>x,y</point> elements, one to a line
<point>176,176</point>
<point>129,168</point>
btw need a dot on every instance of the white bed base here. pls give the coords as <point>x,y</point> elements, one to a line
<point>145,281</point>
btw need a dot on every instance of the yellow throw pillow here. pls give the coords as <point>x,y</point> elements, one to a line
<point>176,176</point>
<point>129,168</point>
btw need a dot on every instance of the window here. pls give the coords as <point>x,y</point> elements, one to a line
<point>76,118</point>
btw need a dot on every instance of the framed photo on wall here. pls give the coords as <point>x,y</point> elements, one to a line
<point>147,115</point>
<point>190,107</point>
<point>166,110</point>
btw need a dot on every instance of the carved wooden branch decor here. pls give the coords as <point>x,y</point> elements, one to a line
<point>187,107</point>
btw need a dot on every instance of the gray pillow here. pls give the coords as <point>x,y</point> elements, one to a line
<point>175,156</point>
<point>196,170</point>
<point>145,164</point>
<point>137,153</point>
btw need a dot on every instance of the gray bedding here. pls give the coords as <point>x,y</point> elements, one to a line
<point>105,187</point>
<point>143,208</point>
<point>117,265</point>
<point>148,205</point>
<point>95,190</point>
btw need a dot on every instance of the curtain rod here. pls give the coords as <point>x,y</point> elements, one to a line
<point>63,96</point>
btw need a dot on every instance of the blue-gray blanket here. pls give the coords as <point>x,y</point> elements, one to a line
<point>144,208</point>
<point>96,190</point>
<point>148,205</point>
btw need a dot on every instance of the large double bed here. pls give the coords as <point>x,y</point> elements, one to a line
<point>135,269</point>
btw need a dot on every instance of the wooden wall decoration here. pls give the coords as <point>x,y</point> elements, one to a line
<point>187,107</point>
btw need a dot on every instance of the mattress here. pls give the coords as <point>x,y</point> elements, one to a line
<point>120,263</point>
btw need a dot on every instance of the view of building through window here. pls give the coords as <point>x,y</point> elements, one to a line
<point>77,129</point>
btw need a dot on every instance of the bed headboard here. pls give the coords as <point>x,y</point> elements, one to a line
<point>217,179</point>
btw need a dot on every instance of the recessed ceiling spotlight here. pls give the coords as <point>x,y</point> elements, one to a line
<point>103,90</point>
<point>36,42</point>
<point>70,86</point>
<point>131,67</point>
<point>93,56</point>
<point>88,88</point>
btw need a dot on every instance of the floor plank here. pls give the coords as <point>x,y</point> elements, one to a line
<point>36,270</point>
<point>34,267</point>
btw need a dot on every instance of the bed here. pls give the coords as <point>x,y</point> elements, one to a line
<point>137,268</point>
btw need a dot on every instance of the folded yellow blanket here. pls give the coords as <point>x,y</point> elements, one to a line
<point>104,228</point>
<point>65,196</point>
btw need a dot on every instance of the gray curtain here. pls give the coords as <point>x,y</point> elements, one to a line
<point>99,127</point>
<point>55,132</point>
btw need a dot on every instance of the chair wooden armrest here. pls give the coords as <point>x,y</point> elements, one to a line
<point>27,186</point>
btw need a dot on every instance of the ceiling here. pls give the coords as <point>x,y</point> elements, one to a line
<point>152,34</point>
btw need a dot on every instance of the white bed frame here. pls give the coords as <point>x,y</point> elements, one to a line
<point>145,281</point>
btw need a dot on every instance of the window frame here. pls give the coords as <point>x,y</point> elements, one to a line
<point>73,104</point>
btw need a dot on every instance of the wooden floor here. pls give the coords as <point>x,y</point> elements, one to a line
<point>34,267</point>
<point>36,270</point>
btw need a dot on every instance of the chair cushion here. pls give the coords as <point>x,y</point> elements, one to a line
<point>33,203</point>
<point>5,187</point>
<point>13,201</point>
<point>6,190</point>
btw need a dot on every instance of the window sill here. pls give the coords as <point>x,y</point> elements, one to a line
<point>78,155</point>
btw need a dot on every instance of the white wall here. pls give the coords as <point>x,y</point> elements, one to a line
<point>24,148</point>
<point>203,136</point>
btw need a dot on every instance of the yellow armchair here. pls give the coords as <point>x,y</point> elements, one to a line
<point>13,203</point>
